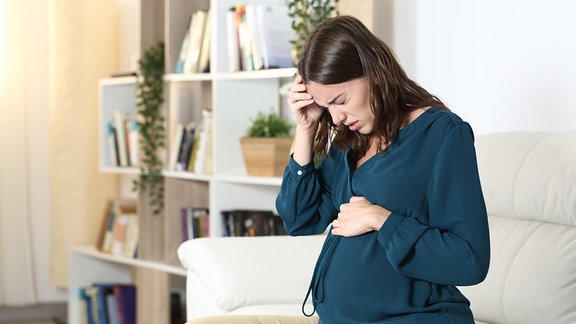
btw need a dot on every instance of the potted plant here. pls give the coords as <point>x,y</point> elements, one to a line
<point>266,146</point>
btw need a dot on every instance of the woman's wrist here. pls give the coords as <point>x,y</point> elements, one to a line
<point>308,131</point>
<point>381,214</point>
<point>304,144</point>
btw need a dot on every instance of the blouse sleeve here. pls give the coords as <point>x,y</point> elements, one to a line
<point>304,202</point>
<point>454,248</point>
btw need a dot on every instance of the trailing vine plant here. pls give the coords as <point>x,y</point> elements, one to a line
<point>151,125</point>
<point>306,14</point>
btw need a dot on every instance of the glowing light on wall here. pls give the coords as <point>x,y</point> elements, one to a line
<point>2,26</point>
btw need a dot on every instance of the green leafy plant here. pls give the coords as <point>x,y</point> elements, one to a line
<point>306,14</point>
<point>269,125</point>
<point>151,125</point>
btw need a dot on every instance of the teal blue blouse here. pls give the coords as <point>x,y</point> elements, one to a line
<point>436,238</point>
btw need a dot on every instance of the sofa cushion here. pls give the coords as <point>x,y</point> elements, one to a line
<point>252,273</point>
<point>532,276</point>
<point>528,179</point>
<point>529,175</point>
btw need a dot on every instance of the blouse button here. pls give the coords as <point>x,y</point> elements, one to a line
<point>299,172</point>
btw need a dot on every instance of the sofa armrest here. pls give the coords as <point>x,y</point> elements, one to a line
<point>241,271</point>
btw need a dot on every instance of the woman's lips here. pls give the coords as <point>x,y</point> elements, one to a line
<point>353,126</point>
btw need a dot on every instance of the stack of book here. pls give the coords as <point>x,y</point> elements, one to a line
<point>122,140</point>
<point>195,222</point>
<point>194,56</point>
<point>108,303</point>
<point>242,222</point>
<point>258,37</point>
<point>115,303</point>
<point>191,149</point>
<point>119,234</point>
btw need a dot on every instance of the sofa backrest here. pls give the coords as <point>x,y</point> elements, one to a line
<point>529,183</point>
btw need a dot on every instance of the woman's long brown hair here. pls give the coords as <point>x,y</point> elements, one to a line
<point>342,49</point>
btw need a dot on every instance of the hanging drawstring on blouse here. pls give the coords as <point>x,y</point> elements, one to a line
<point>317,283</point>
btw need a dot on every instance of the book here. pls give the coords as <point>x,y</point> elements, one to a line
<point>112,145</point>
<point>133,142</point>
<point>244,39</point>
<point>119,125</point>
<point>194,152</point>
<point>275,33</point>
<point>112,307</point>
<point>176,147</point>
<point>126,299</point>
<point>233,48</point>
<point>119,235</point>
<point>107,232</point>
<point>197,26</point>
<point>203,142</point>
<point>204,56</point>
<point>177,306</point>
<point>195,222</point>
<point>179,68</point>
<point>102,290</point>
<point>130,246</point>
<point>125,237</point>
<point>184,224</point>
<point>85,296</point>
<point>252,28</point>
<point>240,222</point>
<point>186,146</point>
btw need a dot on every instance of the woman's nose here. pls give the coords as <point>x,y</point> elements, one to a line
<point>337,117</point>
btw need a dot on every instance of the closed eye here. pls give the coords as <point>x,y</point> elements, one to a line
<point>333,102</point>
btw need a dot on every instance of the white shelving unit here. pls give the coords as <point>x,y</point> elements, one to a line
<point>235,98</point>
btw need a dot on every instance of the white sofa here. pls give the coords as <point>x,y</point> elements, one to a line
<point>529,182</point>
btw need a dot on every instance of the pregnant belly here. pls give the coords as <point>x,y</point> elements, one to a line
<point>361,283</point>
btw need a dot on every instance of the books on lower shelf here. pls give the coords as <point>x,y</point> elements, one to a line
<point>108,303</point>
<point>243,222</point>
<point>119,234</point>
<point>115,303</point>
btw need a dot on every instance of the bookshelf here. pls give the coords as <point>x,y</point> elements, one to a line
<point>234,98</point>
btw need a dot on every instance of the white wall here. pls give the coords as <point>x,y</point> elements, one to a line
<point>501,65</point>
<point>129,34</point>
<point>39,127</point>
<point>38,100</point>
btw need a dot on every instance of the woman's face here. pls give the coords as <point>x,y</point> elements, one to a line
<point>348,103</point>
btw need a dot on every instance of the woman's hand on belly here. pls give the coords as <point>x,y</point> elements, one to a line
<point>359,216</point>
